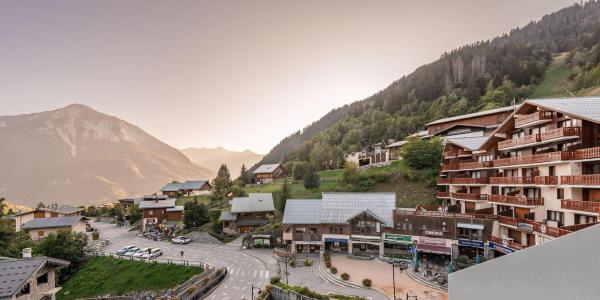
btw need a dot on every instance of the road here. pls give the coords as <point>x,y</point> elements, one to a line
<point>245,268</point>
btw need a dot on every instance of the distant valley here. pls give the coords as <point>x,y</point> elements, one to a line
<point>212,158</point>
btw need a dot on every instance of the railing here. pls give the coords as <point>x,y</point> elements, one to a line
<point>307,237</point>
<point>545,180</point>
<point>511,180</point>
<point>467,165</point>
<point>587,206</point>
<point>455,153</point>
<point>560,132</point>
<point>587,153</point>
<point>533,159</point>
<point>445,214</point>
<point>468,180</point>
<point>442,194</point>
<point>443,180</point>
<point>516,200</point>
<point>194,263</point>
<point>537,116</point>
<point>579,226</point>
<point>524,140</point>
<point>538,227</point>
<point>593,179</point>
<point>510,244</point>
<point>466,196</point>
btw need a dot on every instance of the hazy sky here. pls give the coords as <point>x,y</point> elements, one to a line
<point>239,74</point>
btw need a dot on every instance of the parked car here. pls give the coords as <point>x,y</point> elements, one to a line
<point>124,250</point>
<point>154,253</point>
<point>141,252</point>
<point>181,240</point>
<point>131,251</point>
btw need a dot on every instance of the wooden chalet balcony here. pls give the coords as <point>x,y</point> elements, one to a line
<point>533,159</point>
<point>515,200</point>
<point>440,194</point>
<point>450,154</point>
<point>443,180</point>
<point>510,244</point>
<point>533,118</point>
<point>468,180</point>
<point>467,196</point>
<point>537,138</point>
<point>537,180</point>
<point>307,237</point>
<point>588,153</point>
<point>586,206</point>
<point>457,153</point>
<point>467,165</point>
<point>545,180</point>
<point>593,179</point>
<point>537,226</point>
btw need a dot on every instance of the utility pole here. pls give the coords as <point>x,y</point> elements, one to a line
<point>252,295</point>
<point>394,278</point>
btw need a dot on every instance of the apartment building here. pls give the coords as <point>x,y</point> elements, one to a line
<point>538,171</point>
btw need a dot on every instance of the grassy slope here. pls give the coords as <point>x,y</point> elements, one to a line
<point>106,275</point>
<point>554,80</point>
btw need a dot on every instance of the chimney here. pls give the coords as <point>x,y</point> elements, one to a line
<point>26,252</point>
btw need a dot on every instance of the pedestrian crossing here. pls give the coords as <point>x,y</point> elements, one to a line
<point>248,273</point>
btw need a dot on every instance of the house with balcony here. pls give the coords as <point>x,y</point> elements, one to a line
<point>188,188</point>
<point>248,213</point>
<point>268,173</point>
<point>30,278</point>
<point>52,211</point>
<point>340,222</point>
<point>538,171</point>
<point>474,124</point>
<point>159,213</point>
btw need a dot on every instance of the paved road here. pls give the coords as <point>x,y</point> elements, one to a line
<point>246,268</point>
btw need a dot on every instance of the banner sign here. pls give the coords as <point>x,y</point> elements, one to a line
<point>397,237</point>
<point>471,243</point>
<point>501,248</point>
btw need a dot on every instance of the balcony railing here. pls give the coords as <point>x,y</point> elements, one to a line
<point>467,196</point>
<point>533,159</point>
<point>442,194</point>
<point>586,206</point>
<point>588,153</point>
<point>467,165</point>
<point>468,180</point>
<point>537,116</point>
<point>580,179</point>
<point>537,226</point>
<point>443,180</point>
<point>516,200</point>
<point>545,180</point>
<point>510,244</point>
<point>524,140</point>
<point>544,136</point>
<point>511,180</point>
<point>307,237</point>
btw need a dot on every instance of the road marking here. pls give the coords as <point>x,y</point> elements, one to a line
<point>262,273</point>
<point>267,274</point>
<point>254,274</point>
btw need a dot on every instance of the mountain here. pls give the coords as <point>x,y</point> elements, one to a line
<point>212,158</point>
<point>78,156</point>
<point>557,55</point>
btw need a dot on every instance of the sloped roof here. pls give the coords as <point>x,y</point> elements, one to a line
<point>266,168</point>
<point>472,115</point>
<point>305,211</point>
<point>15,272</point>
<point>53,222</point>
<point>171,187</point>
<point>469,143</point>
<point>157,203</point>
<point>176,208</point>
<point>193,185</point>
<point>396,144</point>
<point>255,202</point>
<point>584,107</point>
<point>227,216</point>
<point>337,208</point>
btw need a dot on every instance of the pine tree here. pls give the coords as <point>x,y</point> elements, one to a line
<point>243,179</point>
<point>311,178</point>
<point>284,195</point>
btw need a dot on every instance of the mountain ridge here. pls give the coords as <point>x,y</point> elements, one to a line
<point>212,158</point>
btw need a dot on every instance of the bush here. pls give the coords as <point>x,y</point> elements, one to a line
<point>275,279</point>
<point>345,276</point>
<point>308,262</point>
<point>334,270</point>
<point>328,265</point>
<point>292,263</point>
<point>95,235</point>
<point>463,259</point>
<point>367,282</point>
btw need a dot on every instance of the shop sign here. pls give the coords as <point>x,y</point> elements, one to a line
<point>397,237</point>
<point>433,241</point>
<point>340,241</point>
<point>470,243</point>
<point>525,227</point>
<point>500,248</point>
<point>433,232</point>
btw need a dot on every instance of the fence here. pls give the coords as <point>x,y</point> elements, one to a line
<point>198,286</point>
<point>277,293</point>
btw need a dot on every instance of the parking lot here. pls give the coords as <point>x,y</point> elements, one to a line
<point>246,268</point>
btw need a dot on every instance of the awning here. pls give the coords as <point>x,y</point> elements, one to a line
<point>435,249</point>
<point>470,226</point>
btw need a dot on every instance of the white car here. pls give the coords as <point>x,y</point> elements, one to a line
<point>131,251</point>
<point>124,250</point>
<point>181,240</point>
<point>141,252</point>
<point>154,253</point>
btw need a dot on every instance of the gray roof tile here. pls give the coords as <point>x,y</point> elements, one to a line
<point>255,202</point>
<point>166,203</point>
<point>583,107</point>
<point>477,114</point>
<point>193,185</point>
<point>266,168</point>
<point>15,272</point>
<point>303,211</point>
<point>469,143</point>
<point>53,222</point>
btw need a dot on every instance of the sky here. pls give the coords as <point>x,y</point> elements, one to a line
<point>238,74</point>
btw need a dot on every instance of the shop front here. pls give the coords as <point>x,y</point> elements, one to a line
<point>435,250</point>
<point>397,246</point>
<point>470,248</point>
<point>336,244</point>
<point>365,245</point>
<point>307,247</point>
<point>500,249</point>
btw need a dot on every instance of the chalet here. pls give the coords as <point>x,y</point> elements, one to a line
<point>394,150</point>
<point>474,124</point>
<point>30,278</point>
<point>47,212</point>
<point>159,211</point>
<point>347,222</point>
<point>248,213</point>
<point>40,228</point>
<point>268,173</point>
<point>188,188</point>
<point>127,202</point>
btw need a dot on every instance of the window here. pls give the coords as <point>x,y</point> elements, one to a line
<point>25,290</point>
<point>557,216</point>
<point>560,193</point>
<point>476,174</point>
<point>42,279</point>
<point>551,171</point>
<point>336,230</point>
<point>150,212</point>
<point>488,157</point>
<point>40,233</point>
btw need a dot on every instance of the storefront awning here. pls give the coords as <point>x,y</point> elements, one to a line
<point>470,226</point>
<point>435,249</point>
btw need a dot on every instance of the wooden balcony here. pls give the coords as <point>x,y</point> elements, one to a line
<point>508,243</point>
<point>588,153</point>
<point>467,196</point>
<point>443,180</point>
<point>307,237</point>
<point>537,138</point>
<point>467,165</point>
<point>511,180</point>
<point>586,206</point>
<point>468,180</point>
<point>533,118</point>
<point>589,180</point>
<point>440,194</point>
<point>515,200</point>
<point>537,226</point>
<point>525,140</point>
<point>450,154</point>
<point>533,159</point>
<point>545,180</point>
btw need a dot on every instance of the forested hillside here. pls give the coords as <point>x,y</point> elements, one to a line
<point>475,77</point>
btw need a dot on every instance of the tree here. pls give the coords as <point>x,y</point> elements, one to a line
<point>299,169</point>
<point>40,205</point>
<point>65,245</point>
<point>224,173</point>
<point>2,206</point>
<point>422,154</point>
<point>237,191</point>
<point>195,214</point>
<point>284,195</point>
<point>350,174</point>
<point>311,178</point>
<point>244,176</point>
<point>11,242</point>
<point>221,183</point>
<point>135,214</point>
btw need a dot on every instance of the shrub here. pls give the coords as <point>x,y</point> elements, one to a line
<point>328,265</point>
<point>292,263</point>
<point>308,262</point>
<point>275,279</point>
<point>345,276</point>
<point>367,282</point>
<point>95,235</point>
<point>334,270</point>
<point>463,259</point>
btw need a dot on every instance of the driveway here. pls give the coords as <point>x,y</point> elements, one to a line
<point>246,268</point>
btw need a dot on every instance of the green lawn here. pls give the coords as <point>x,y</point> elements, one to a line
<point>107,275</point>
<point>554,79</point>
